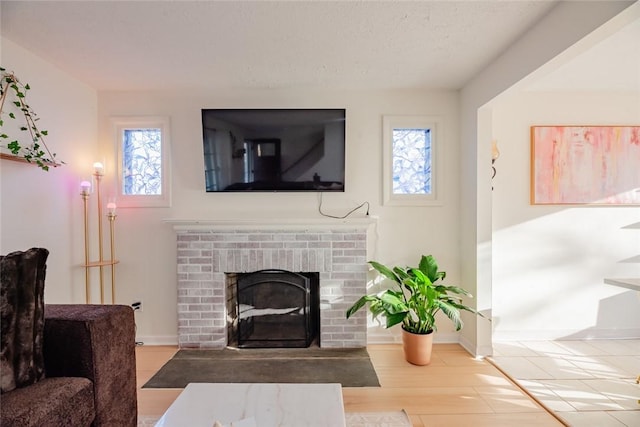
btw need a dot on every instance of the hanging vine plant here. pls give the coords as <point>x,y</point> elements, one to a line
<point>35,151</point>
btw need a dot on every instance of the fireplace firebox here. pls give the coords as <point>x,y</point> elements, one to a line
<point>276,309</point>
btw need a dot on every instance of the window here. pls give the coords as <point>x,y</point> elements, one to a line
<point>143,172</point>
<point>411,159</point>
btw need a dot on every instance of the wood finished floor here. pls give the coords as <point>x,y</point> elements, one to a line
<point>455,390</point>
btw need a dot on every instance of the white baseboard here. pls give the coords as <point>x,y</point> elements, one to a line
<point>396,337</point>
<point>386,337</point>
<point>546,335</point>
<point>482,351</point>
<point>447,338</point>
<point>158,340</point>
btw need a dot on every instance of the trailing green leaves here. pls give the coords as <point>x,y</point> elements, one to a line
<point>34,151</point>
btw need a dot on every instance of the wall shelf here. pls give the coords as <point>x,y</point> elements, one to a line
<point>629,283</point>
<point>632,283</point>
<point>5,156</point>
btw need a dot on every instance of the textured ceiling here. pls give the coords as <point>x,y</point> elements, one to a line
<point>148,45</point>
<point>612,65</point>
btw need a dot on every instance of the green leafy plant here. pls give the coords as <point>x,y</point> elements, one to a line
<point>416,298</point>
<point>35,151</point>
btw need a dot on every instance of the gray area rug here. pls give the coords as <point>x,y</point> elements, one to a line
<point>349,367</point>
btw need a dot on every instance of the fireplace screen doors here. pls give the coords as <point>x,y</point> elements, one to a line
<point>276,308</point>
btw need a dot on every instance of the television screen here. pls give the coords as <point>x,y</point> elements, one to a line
<point>274,149</point>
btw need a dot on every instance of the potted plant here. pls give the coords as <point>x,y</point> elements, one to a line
<point>413,302</point>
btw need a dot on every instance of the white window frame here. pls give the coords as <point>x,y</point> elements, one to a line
<point>120,124</point>
<point>435,123</point>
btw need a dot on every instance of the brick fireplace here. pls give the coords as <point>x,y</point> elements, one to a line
<point>208,251</point>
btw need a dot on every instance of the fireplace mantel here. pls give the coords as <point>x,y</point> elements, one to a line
<point>180,224</point>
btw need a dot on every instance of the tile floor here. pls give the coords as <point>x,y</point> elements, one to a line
<point>586,383</point>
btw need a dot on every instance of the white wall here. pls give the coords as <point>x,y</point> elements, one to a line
<point>43,209</point>
<point>549,261</point>
<point>146,245</point>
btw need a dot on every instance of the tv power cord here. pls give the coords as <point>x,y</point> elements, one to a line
<point>344,216</point>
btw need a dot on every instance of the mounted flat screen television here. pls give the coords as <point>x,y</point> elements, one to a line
<point>274,149</point>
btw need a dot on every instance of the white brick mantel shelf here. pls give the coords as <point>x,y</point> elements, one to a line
<point>208,249</point>
<point>268,224</point>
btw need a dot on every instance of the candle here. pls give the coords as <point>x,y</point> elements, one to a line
<point>98,168</point>
<point>495,153</point>
<point>85,188</point>
<point>111,208</point>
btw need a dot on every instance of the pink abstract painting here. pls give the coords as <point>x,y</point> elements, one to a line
<point>585,165</point>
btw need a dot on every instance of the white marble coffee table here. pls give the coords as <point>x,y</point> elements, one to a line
<point>259,405</point>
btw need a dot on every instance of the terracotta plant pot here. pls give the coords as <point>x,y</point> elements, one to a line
<point>417,347</point>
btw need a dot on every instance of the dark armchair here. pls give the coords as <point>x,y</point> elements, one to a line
<point>62,365</point>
